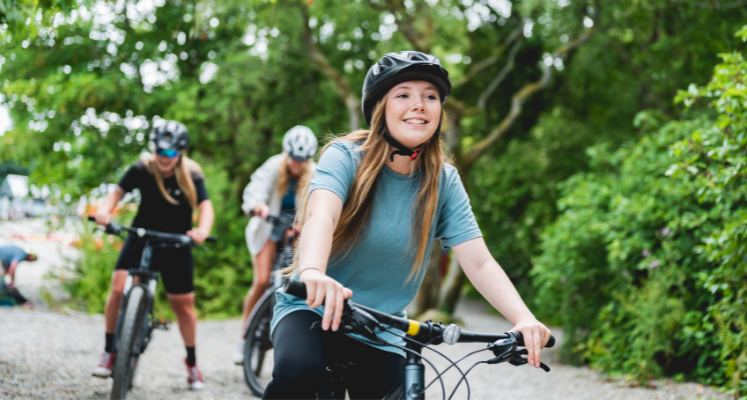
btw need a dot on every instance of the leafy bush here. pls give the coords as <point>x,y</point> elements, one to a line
<point>646,271</point>
<point>717,157</point>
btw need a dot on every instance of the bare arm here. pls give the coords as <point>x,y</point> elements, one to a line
<point>104,211</point>
<point>205,223</point>
<point>323,213</point>
<point>493,283</point>
<point>12,272</point>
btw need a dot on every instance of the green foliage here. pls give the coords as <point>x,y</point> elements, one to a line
<point>16,15</point>
<point>516,190</point>
<point>717,157</point>
<point>641,53</point>
<point>223,270</point>
<point>92,275</point>
<point>646,271</point>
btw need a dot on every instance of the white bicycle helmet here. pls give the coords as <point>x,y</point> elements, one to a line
<point>300,143</point>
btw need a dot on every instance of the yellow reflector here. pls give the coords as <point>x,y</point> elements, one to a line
<point>414,328</point>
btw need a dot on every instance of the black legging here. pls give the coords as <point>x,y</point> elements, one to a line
<point>301,356</point>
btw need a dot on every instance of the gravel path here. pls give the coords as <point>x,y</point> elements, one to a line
<point>50,356</point>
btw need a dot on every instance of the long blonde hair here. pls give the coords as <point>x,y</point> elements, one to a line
<point>304,175</point>
<point>353,221</point>
<point>183,171</point>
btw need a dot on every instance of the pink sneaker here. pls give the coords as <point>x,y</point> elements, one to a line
<point>195,377</point>
<point>106,363</point>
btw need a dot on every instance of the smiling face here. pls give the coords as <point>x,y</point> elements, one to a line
<point>413,111</point>
<point>165,164</point>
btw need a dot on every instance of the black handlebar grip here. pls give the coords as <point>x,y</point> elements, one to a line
<point>295,288</point>
<point>92,218</point>
<point>211,239</point>
<point>520,340</point>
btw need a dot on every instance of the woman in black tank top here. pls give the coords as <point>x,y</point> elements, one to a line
<point>171,188</point>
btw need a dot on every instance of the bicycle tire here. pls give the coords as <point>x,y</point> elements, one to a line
<point>257,343</point>
<point>129,345</point>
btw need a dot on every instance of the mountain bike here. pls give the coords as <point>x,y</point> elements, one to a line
<point>257,341</point>
<point>136,322</point>
<point>363,320</point>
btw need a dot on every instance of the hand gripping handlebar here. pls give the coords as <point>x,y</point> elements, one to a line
<point>427,332</point>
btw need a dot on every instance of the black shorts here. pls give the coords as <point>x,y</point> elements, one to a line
<point>175,265</point>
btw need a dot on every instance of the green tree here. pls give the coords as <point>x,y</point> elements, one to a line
<point>84,85</point>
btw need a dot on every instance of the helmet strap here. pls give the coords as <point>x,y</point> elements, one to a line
<point>401,149</point>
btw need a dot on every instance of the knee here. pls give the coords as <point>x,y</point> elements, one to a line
<point>182,305</point>
<point>116,292</point>
<point>118,283</point>
<point>185,313</point>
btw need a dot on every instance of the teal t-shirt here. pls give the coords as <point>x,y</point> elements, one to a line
<point>376,269</point>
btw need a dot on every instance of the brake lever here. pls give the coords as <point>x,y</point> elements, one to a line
<point>517,360</point>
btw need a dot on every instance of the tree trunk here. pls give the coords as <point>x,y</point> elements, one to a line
<point>427,296</point>
<point>451,288</point>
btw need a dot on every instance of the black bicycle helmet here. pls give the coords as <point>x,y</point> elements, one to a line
<point>393,69</point>
<point>170,136</point>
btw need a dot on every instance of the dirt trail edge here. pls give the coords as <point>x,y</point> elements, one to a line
<point>49,356</point>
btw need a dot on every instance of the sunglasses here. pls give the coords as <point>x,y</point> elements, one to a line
<point>169,153</point>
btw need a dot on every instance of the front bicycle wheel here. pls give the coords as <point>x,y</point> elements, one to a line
<point>258,360</point>
<point>130,342</point>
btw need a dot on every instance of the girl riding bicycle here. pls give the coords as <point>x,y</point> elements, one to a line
<point>171,187</point>
<point>272,190</point>
<point>370,214</point>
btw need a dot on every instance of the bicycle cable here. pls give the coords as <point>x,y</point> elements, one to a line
<point>454,364</point>
<point>438,375</point>
<point>443,388</point>
<point>464,378</point>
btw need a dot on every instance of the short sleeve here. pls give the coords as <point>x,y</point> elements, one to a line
<point>131,179</point>
<point>336,170</point>
<point>202,193</point>
<point>456,222</point>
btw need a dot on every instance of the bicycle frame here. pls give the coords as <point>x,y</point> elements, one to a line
<point>148,279</point>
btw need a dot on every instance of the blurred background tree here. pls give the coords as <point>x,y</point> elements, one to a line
<point>545,94</point>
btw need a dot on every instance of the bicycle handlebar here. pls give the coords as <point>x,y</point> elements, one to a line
<point>413,328</point>
<point>114,227</point>
<point>273,219</point>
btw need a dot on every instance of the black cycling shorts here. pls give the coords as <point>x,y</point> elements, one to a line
<point>175,265</point>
